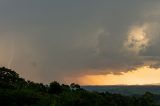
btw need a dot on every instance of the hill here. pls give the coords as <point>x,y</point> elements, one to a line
<point>16,91</point>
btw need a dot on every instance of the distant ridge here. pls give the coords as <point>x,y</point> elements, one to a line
<point>125,89</point>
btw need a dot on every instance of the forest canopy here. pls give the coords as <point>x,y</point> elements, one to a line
<point>16,91</point>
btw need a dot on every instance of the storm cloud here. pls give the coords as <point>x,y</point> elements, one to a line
<point>49,40</point>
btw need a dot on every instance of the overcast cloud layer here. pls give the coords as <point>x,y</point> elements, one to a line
<point>48,40</point>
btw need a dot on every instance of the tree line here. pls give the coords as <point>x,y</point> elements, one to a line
<point>16,91</point>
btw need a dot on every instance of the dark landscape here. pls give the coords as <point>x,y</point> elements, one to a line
<point>16,91</point>
<point>125,89</point>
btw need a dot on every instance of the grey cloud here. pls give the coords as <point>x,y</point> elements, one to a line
<point>54,39</point>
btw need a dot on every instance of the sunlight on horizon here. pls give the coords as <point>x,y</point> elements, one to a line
<point>141,76</point>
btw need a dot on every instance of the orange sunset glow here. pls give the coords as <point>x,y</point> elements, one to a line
<point>141,76</point>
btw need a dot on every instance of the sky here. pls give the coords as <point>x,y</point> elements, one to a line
<point>90,42</point>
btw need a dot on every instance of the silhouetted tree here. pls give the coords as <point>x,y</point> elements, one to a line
<point>54,88</point>
<point>147,99</point>
<point>74,86</point>
<point>8,78</point>
<point>65,88</point>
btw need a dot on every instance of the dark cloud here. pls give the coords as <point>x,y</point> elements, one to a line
<point>55,39</point>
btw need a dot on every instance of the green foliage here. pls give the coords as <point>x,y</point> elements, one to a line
<point>15,91</point>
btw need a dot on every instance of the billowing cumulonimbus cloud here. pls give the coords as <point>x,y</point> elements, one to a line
<point>54,39</point>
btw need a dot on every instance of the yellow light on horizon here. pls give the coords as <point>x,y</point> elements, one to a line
<point>141,76</point>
